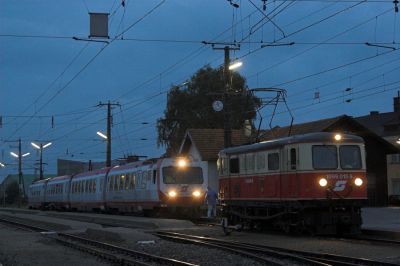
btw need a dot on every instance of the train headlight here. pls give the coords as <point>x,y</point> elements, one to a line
<point>358,182</point>
<point>196,193</point>
<point>338,137</point>
<point>182,162</point>
<point>323,182</point>
<point>172,194</point>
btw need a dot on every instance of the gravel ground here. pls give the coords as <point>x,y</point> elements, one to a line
<point>359,249</point>
<point>20,248</point>
<point>146,242</point>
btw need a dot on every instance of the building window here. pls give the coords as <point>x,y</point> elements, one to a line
<point>395,159</point>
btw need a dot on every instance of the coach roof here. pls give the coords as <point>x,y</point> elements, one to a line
<point>305,138</point>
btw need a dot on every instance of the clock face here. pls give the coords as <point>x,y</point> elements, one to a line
<point>217,106</point>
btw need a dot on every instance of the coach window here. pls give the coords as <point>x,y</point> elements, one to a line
<point>293,159</point>
<point>127,180</point>
<point>324,157</point>
<point>273,161</point>
<point>122,182</point>
<point>234,165</point>
<point>139,179</point>
<point>116,183</point>
<point>94,185</point>
<point>133,180</point>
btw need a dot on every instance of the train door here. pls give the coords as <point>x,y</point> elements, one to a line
<point>289,178</point>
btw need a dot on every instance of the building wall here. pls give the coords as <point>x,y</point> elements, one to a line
<point>393,169</point>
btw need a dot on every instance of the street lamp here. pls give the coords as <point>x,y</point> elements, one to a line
<point>235,65</point>
<point>40,147</point>
<point>104,136</point>
<point>17,156</point>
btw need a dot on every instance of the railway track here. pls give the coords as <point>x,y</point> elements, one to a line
<point>301,257</point>
<point>109,252</point>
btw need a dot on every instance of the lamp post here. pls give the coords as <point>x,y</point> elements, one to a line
<point>108,140</point>
<point>40,147</point>
<point>19,156</point>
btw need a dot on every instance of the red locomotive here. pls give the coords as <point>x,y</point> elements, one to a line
<point>314,182</point>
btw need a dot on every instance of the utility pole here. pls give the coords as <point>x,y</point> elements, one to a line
<point>19,156</point>
<point>226,94</point>
<point>109,119</point>
<point>20,187</point>
<point>40,148</point>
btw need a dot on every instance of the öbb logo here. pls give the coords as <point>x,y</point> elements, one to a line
<point>340,185</point>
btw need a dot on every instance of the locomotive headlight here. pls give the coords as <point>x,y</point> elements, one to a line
<point>196,193</point>
<point>172,194</point>
<point>323,182</point>
<point>358,181</point>
<point>338,137</point>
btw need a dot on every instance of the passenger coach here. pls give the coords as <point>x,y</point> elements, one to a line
<point>314,182</point>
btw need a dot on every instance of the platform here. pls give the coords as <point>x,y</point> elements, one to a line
<point>383,219</point>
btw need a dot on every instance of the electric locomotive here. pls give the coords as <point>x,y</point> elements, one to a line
<point>313,182</point>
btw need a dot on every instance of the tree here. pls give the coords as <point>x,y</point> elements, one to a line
<point>191,106</point>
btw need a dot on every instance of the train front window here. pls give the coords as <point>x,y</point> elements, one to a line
<point>350,157</point>
<point>324,157</point>
<point>189,175</point>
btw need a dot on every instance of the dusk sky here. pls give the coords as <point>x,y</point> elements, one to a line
<point>45,72</point>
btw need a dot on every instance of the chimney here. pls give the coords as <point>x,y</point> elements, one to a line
<point>373,113</point>
<point>247,128</point>
<point>132,158</point>
<point>396,103</point>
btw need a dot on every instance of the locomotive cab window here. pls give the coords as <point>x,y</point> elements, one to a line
<point>350,157</point>
<point>324,157</point>
<point>234,165</point>
<point>190,175</point>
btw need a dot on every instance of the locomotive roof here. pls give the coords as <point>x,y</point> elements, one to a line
<point>305,138</point>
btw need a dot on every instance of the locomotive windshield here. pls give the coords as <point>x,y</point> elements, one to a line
<point>350,157</point>
<point>324,157</point>
<point>188,175</point>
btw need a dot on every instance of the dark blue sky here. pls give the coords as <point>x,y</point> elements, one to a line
<point>44,76</point>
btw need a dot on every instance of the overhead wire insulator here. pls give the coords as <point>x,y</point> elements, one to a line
<point>396,7</point>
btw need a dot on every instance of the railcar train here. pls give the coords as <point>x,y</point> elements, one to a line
<point>314,182</point>
<point>147,186</point>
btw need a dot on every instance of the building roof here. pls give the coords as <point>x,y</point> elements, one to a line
<point>382,124</point>
<point>209,141</point>
<point>303,128</point>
